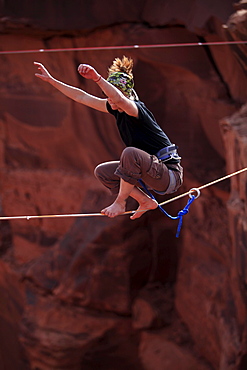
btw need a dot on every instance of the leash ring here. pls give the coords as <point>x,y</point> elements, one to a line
<point>194,190</point>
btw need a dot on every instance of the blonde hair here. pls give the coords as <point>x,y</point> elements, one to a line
<point>124,65</point>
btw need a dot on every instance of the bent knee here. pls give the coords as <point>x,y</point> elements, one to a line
<point>98,171</point>
<point>106,170</point>
<point>129,152</point>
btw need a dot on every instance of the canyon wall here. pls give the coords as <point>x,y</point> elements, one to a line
<point>98,293</point>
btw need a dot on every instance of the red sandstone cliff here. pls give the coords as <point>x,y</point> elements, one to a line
<point>95,293</point>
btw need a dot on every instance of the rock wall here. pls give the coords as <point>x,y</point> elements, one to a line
<point>90,293</point>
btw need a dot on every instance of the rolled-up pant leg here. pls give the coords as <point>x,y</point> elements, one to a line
<point>134,164</point>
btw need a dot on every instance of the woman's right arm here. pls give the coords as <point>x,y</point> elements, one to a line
<point>72,92</point>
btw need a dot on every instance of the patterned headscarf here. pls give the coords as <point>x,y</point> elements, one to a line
<point>123,81</point>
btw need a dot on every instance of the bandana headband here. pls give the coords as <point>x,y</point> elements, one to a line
<point>123,81</point>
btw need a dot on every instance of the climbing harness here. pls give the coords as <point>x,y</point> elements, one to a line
<point>167,153</point>
<point>181,213</point>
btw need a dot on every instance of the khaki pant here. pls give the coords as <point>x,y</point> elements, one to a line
<point>136,164</point>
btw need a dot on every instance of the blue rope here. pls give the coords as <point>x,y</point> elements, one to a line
<point>181,213</point>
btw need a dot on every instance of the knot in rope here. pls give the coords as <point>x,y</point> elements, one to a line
<point>183,212</point>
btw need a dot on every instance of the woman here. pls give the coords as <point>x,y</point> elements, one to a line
<point>149,154</point>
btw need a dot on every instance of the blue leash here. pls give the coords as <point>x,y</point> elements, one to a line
<point>180,213</point>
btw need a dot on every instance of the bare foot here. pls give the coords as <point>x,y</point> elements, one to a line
<point>144,206</point>
<point>114,209</point>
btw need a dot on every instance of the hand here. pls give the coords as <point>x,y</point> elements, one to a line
<point>88,72</point>
<point>44,75</point>
<point>112,104</point>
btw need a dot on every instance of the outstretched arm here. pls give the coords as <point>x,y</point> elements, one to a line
<point>116,98</point>
<point>72,92</point>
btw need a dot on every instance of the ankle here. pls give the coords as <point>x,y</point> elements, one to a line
<point>120,201</point>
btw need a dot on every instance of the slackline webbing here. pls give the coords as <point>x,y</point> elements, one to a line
<point>189,193</point>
